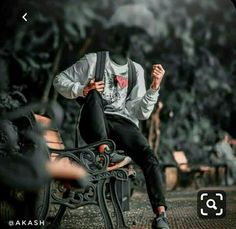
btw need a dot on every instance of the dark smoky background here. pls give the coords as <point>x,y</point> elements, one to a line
<point>194,40</point>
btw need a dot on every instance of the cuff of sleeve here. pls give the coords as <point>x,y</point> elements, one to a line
<point>78,90</point>
<point>153,92</point>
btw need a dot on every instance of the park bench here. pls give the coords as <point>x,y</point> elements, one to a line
<point>104,187</point>
<point>195,173</point>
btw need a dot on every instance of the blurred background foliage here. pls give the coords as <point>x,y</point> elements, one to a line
<point>194,40</point>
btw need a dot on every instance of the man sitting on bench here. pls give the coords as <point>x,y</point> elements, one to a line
<point>110,111</point>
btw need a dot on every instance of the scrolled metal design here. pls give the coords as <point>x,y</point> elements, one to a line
<point>75,198</point>
<point>91,193</point>
<point>88,156</point>
<point>120,174</point>
<point>95,192</point>
<point>61,187</point>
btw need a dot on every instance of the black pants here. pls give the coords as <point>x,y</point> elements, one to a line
<point>95,125</point>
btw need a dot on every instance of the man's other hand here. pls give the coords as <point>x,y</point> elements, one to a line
<point>99,86</point>
<point>157,75</point>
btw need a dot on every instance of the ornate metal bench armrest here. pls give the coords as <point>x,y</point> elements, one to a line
<point>88,156</point>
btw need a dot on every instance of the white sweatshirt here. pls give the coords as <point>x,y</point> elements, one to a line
<point>138,106</point>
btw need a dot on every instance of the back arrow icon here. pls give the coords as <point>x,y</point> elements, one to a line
<point>24,16</point>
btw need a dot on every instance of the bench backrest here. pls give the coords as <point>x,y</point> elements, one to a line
<point>51,135</point>
<point>181,159</point>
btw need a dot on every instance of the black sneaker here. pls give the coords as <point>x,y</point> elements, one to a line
<point>117,160</point>
<point>160,222</point>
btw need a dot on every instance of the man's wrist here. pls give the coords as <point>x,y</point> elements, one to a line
<point>154,92</point>
<point>85,91</point>
<point>155,87</point>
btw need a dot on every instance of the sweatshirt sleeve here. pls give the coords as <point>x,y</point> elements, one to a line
<point>71,82</point>
<point>141,102</point>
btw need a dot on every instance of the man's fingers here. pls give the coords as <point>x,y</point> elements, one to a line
<point>158,71</point>
<point>99,83</point>
<point>93,85</point>
<point>100,89</point>
<point>99,86</point>
<point>157,76</point>
<point>161,67</point>
<point>158,67</point>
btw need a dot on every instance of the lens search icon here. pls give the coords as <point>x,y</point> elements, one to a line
<point>212,205</point>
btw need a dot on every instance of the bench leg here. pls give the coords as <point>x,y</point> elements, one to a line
<point>43,202</point>
<point>57,219</point>
<point>226,175</point>
<point>123,190</point>
<point>101,192</point>
<point>116,205</point>
<point>217,175</point>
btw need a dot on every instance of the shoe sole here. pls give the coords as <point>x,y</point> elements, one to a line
<point>121,164</point>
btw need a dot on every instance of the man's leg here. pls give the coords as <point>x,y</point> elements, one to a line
<point>128,137</point>
<point>94,127</point>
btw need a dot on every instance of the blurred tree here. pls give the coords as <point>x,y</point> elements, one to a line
<point>194,40</point>
<point>154,124</point>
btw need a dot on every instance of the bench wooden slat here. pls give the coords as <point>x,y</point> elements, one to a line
<point>53,139</point>
<point>55,146</point>
<point>51,136</point>
<point>180,157</point>
<point>43,120</point>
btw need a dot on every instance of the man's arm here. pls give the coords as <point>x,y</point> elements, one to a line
<point>71,82</point>
<point>77,80</point>
<point>142,102</point>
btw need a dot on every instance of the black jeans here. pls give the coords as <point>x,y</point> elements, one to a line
<point>95,125</point>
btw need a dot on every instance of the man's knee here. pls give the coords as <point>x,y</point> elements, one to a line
<point>151,158</point>
<point>93,95</point>
<point>147,158</point>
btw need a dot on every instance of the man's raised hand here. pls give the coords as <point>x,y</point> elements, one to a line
<point>157,76</point>
<point>99,86</point>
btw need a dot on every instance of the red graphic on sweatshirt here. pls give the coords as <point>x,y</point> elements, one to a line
<point>122,81</point>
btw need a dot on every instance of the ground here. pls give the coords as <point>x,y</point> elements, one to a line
<point>182,212</point>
